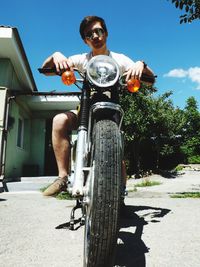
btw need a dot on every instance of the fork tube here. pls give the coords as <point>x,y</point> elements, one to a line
<point>81,144</point>
<point>83,120</point>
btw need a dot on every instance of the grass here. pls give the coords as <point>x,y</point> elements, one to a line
<point>147,182</point>
<point>179,168</point>
<point>186,195</point>
<point>44,188</point>
<point>60,196</point>
<point>132,190</point>
<point>64,196</point>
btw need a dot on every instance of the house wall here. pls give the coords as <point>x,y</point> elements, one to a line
<point>8,77</point>
<point>17,156</point>
<point>27,160</point>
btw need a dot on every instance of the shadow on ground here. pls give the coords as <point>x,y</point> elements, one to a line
<point>131,249</point>
<point>169,174</point>
<point>76,225</point>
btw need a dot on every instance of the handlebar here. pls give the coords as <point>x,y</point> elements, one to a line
<point>144,77</point>
<point>48,70</point>
<point>53,70</point>
<point>69,78</point>
<point>148,78</point>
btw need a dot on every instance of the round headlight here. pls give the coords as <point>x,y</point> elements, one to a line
<point>102,71</point>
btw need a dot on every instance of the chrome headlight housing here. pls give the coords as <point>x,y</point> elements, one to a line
<point>102,71</point>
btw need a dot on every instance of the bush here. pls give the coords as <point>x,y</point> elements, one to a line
<point>194,159</point>
<point>179,168</point>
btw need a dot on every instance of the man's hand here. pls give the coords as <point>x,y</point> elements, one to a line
<point>59,61</point>
<point>135,71</point>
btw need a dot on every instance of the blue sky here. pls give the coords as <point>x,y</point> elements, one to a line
<point>143,30</point>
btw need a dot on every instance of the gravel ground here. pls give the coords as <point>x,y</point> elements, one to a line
<point>156,230</point>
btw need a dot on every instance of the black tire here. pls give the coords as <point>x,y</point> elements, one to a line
<point>101,229</point>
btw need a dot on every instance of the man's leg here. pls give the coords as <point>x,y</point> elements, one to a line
<point>62,124</point>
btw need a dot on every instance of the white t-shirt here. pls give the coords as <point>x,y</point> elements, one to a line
<point>80,61</point>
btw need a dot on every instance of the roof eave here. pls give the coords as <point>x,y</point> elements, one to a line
<point>16,53</point>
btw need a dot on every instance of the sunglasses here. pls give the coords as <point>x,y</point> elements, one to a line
<point>98,31</point>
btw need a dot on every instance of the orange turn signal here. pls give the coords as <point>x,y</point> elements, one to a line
<point>133,85</point>
<point>68,77</point>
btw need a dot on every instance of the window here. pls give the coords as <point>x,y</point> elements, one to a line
<point>20,133</point>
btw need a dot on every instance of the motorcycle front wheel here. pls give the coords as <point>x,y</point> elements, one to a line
<point>102,217</point>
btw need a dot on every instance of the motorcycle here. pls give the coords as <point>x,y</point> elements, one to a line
<point>95,178</point>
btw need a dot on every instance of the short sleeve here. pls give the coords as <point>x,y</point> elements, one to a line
<point>124,62</point>
<point>79,61</point>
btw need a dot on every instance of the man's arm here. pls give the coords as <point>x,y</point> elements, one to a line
<point>137,70</point>
<point>59,61</point>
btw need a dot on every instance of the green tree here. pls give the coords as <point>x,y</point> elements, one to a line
<point>191,132</point>
<point>192,118</point>
<point>165,126</point>
<point>191,7</point>
<point>136,120</point>
<point>149,119</point>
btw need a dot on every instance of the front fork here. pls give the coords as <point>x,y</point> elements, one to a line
<point>81,148</point>
<point>80,163</point>
<point>79,159</point>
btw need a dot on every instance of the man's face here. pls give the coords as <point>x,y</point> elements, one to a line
<point>95,36</point>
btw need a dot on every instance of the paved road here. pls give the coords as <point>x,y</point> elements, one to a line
<point>159,232</point>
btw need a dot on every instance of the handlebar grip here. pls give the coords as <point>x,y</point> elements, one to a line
<point>147,78</point>
<point>47,70</point>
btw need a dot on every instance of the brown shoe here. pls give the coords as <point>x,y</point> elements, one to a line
<point>56,187</point>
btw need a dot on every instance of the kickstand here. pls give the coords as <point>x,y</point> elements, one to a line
<point>79,205</point>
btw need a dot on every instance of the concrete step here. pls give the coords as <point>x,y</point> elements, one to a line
<point>39,179</point>
<point>30,183</point>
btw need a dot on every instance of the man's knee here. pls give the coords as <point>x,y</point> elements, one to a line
<point>66,120</point>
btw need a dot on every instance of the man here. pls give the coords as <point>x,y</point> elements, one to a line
<point>94,33</point>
